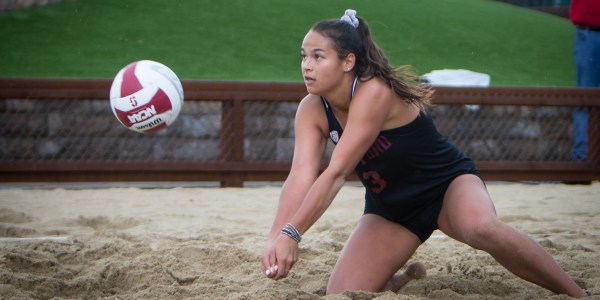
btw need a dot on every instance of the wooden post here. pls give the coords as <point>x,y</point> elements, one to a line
<point>232,138</point>
<point>593,150</point>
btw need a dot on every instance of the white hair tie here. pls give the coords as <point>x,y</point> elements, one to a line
<point>350,17</point>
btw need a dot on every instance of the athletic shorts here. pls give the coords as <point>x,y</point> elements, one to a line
<point>421,221</point>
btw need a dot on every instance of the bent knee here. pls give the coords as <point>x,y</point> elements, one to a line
<point>354,284</point>
<point>484,233</point>
<point>336,288</point>
<point>333,291</point>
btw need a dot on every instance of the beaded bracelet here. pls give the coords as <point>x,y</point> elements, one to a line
<point>292,232</point>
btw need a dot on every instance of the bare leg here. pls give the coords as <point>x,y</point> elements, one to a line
<point>415,270</point>
<point>375,251</point>
<point>468,215</point>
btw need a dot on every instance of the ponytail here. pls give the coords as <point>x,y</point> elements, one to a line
<point>351,34</point>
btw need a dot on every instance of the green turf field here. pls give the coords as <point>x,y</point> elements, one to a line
<point>260,39</point>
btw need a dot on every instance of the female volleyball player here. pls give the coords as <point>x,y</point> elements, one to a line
<point>415,180</point>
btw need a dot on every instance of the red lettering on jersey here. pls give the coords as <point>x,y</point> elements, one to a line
<point>377,183</point>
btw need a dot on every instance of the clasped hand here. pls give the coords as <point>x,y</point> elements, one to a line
<point>279,257</point>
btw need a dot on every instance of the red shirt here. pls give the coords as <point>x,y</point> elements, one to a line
<point>586,12</point>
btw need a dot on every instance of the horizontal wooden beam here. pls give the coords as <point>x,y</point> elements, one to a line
<point>201,90</point>
<point>259,171</point>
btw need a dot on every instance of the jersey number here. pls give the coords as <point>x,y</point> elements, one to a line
<point>377,183</point>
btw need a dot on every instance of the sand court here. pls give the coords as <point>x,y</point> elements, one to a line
<point>205,243</point>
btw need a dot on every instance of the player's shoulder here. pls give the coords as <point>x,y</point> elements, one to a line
<point>311,103</point>
<point>311,98</point>
<point>375,85</point>
<point>311,113</point>
<point>374,91</point>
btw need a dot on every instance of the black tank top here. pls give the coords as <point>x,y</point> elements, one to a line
<point>408,166</point>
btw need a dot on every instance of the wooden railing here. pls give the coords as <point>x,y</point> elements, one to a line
<point>232,170</point>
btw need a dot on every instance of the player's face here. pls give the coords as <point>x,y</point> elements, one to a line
<point>321,67</point>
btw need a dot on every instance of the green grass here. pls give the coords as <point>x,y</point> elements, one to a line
<point>260,39</point>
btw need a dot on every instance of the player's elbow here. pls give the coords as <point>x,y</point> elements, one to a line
<point>338,172</point>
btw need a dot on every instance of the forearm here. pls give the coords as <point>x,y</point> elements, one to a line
<point>293,193</point>
<point>317,200</point>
